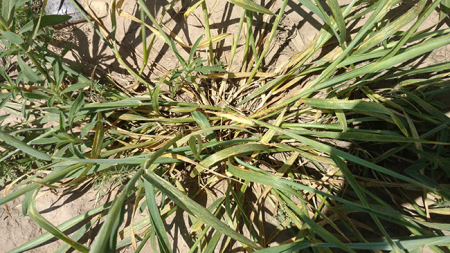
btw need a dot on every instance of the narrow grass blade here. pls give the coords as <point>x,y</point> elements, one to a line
<point>361,106</point>
<point>235,117</point>
<point>339,18</point>
<point>314,226</point>
<point>197,225</point>
<point>212,40</point>
<point>364,137</point>
<point>27,71</point>
<point>286,248</point>
<point>342,119</point>
<point>62,227</point>
<point>192,9</point>
<point>283,185</point>
<point>383,6</point>
<point>411,30</point>
<point>426,106</point>
<point>155,95</point>
<point>43,223</point>
<point>76,106</point>
<point>47,20</point>
<point>342,154</point>
<point>269,42</point>
<point>22,146</point>
<point>106,239</point>
<point>407,245</point>
<point>312,7</point>
<point>360,193</point>
<point>445,9</point>
<point>251,6</point>
<point>76,236</point>
<point>201,119</point>
<point>265,88</point>
<point>209,132</point>
<point>224,154</point>
<point>195,209</point>
<point>155,218</point>
<point>391,28</point>
<point>207,32</point>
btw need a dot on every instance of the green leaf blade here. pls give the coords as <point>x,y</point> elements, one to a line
<point>251,6</point>
<point>22,146</point>
<point>12,37</point>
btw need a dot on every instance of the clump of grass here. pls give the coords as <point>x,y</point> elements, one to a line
<point>271,137</point>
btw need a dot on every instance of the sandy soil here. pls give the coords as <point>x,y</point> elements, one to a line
<point>298,29</point>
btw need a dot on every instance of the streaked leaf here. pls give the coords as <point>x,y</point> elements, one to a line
<point>192,9</point>
<point>363,136</point>
<point>235,117</point>
<point>408,244</point>
<point>344,155</point>
<point>212,40</point>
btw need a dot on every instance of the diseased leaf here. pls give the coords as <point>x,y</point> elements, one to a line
<point>192,9</point>
<point>213,40</point>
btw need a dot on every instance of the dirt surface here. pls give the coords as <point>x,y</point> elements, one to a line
<point>298,28</point>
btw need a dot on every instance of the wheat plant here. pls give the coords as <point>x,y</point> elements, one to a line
<point>273,139</point>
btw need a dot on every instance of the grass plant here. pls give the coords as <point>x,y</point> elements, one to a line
<point>274,140</point>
